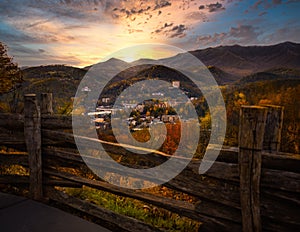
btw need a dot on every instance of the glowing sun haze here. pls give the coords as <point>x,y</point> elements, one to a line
<point>83,32</point>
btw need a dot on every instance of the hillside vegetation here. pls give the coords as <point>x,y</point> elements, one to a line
<point>60,80</point>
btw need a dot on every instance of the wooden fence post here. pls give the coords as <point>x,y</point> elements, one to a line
<point>251,134</point>
<point>32,132</point>
<point>46,104</point>
<point>272,137</point>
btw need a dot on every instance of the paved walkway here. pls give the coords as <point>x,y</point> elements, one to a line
<point>18,214</point>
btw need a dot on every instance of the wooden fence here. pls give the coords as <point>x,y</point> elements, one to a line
<point>251,188</point>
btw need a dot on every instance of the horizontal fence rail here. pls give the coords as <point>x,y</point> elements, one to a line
<point>251,188</point>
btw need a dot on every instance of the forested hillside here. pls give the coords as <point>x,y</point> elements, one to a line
<point>281,92</point>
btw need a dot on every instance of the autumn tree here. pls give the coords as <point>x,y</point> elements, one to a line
<point>10,74</point>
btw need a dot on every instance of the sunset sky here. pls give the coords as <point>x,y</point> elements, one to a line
<point>82,32</point>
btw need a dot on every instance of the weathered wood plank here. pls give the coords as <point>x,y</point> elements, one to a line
<point>279,209</point>
<point>58,136</point>
<point>14,179</point>
<point>206,188</point>
<point>288,196</point>
<point>272,136</point>
<point>156,156</point>
<point>24,180</point>
<point>110,219</point>
<point>32,132</point>
<point>11,141</point>
<point>220,170</point>
<point>280,161</point>
<point>12,121</point>
<point>283,180</point>
<point>46,104</point>
<point>61,183</point>
<point>251,132</point>
<point>13,159</point>
<point>269,224</point>
<point>11,137</point>
<point>216,225</point>
<point>56,122</point>
<point>276,179</point>
<point>219,211</point>
<point>60,158</point>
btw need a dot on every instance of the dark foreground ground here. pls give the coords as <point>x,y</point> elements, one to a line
<point>19,214</point>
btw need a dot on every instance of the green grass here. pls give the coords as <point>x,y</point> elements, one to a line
<point>157,217</point>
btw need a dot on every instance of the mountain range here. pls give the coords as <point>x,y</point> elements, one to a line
<point>242,61</point>
<point>230,65</point>
<point>227,63</point>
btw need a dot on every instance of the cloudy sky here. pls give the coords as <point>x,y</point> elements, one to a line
<point>82,32</point>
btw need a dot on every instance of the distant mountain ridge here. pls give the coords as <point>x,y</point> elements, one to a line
<point>245,60</point>
<point>228,64</point>
<point>231,63</point>
<point>53,71</point>
<point>271,75</point>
